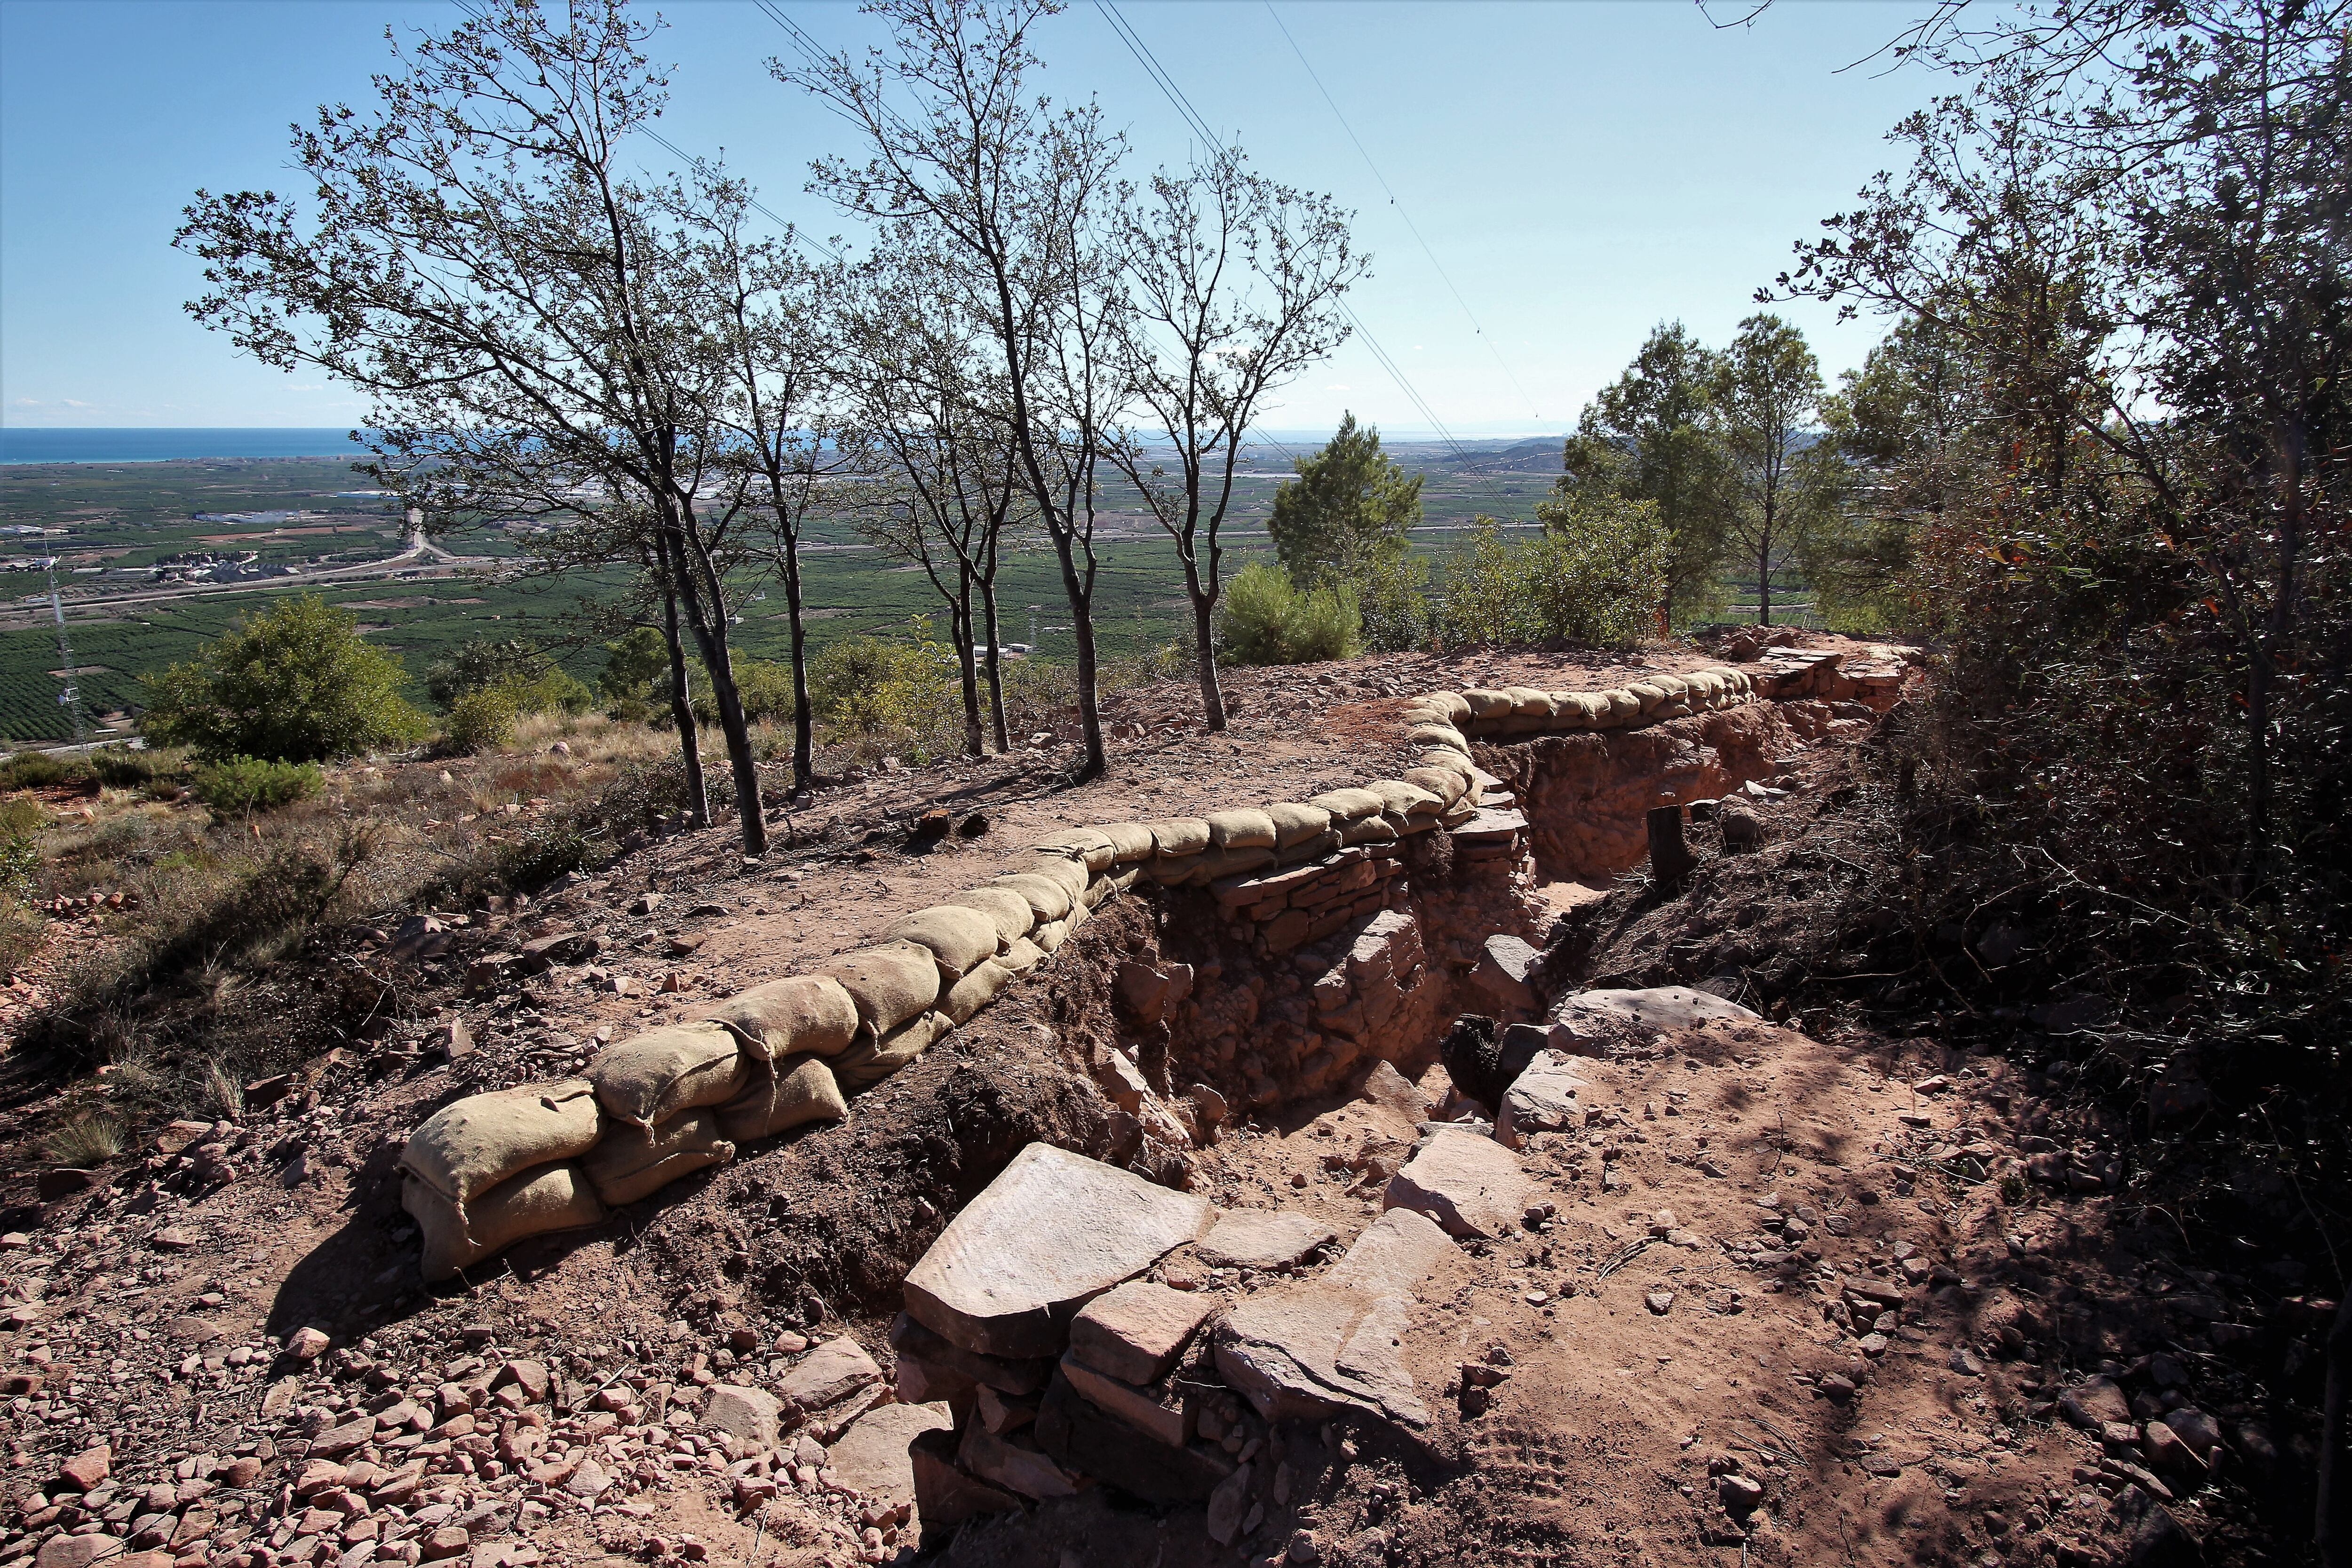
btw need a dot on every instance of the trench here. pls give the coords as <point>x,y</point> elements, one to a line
<point>1181,1007</point>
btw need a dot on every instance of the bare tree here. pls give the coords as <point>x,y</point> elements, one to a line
<point>1241,279</point>
<point>475,261</point>
<point>777,317</point>
<point>928,406</point>
<point>1018,196</point>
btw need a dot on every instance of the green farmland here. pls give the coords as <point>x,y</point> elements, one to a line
<point>97,518</point>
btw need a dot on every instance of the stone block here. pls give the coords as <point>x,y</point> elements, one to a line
<point>1506,972</point>
<point>1089,1439</point>
<point>1137,1331</point>
<point>909,1338</point>
<point>1260,1238</point>
<point>1542,1099</point>
<point>1149,1409</point>
<point>1052,1231</point>
<point>829,1375</point>
<point>944,1495</point>
<point>748,1415</point>
<point>1467,1182</point>
<point>871,1458</point>
<point>1012,1461</point>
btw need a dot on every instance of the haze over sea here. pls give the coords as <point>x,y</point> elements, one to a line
<point>162,446</point>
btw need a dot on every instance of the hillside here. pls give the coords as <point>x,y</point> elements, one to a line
<point>1795,1287</point>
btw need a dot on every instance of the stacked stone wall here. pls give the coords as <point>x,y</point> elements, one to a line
<point>1327,932</point>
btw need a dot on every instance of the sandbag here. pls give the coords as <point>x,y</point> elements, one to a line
<point>959,938</point>
<point>1072,875</point>
<point>1108,886</point>
<point>1373,829</point>
<point>1086,844</point>
<point>875,1058</point>
<point>975,990</point>
<point>1216,863</point>
<point>1450,704</point>
<point>1243,829</point>
<point>654,1076</point>
<point>1179,836</point>
<point>1346,805</point>
<point>1004,907</point>
<point>1324,843</point>
<point>800,1090</point>
<point>472,1145</point>
<point>1048,899</point>
<point>1437,735</point>
<point>1049,936</point>
<point>630,1161</point>
<point>1487,704</point>
<point>1295,824</point>
<point>1021,956</point>
<point>1401,799</point>
<point>1445,762</point>
<point>798,1015</point>
<point>891,981</point>
<point>1172,870</point>
<point>1130,841</point>
<point>1648,694</point>
<point>550,1198</point>
<point>1448,787</point>
<point>1623,705</point>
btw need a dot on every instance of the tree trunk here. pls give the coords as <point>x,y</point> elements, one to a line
<point>967,663</point>
<point>1764,579</point>
<point>1082,625</point>
<point>681,711</point>
<point>708,621</point>
<point>996,674</point>
<point>803,764</point>
<point>1213,699</point>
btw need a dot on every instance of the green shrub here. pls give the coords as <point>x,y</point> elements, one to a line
<point>124,770</point>
<point>482,720</point>
<point>884,691</point>
<point>20,863</point>
<point>1265,619</point>
<point>250,784</point>
<point>295,683</point>
<point>1391,590</point>
<point>763,686</point>
<point>42,770</point>
<point>1596,577</point>
<point>637,670</point>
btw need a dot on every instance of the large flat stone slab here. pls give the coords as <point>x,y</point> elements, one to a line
<point>1049,1234</point>
<point>1659,1010</point>
<point>1333,1345</point>
<point>1464,1181</point>
<point>1262,1238</point>
<point>871,1457</point>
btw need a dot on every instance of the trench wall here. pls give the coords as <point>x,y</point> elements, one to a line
<point>1292,945</point>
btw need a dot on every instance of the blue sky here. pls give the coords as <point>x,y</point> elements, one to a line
<point>1580,170</point>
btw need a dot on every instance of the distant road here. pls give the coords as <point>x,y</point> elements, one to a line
<point>429,561</point>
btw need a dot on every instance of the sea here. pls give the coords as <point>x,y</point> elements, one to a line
<point>21,445</point>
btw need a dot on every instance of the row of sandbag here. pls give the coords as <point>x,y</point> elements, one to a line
<point>1524,711</point>
<point>488,1170</point>
<point>491,1169</point>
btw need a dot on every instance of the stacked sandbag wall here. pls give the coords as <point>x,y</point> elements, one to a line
<point>491,1169</point>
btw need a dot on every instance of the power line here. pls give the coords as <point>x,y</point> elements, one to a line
<point>1500,363</point>
<point>1167,83</point>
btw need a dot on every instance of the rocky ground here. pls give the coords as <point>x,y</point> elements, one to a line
<point>1833,1299</point>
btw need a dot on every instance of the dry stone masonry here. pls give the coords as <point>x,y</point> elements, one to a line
<point>491,1169</point>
